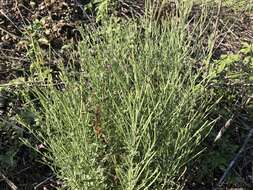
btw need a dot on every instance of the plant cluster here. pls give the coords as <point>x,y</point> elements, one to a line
<point>129,109</point>
<point>134,115</point>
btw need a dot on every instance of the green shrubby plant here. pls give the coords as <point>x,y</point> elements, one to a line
<point>135,114</point>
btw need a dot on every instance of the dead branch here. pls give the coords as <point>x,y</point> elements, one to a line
<point>232,163</point>
<point>10,183</point>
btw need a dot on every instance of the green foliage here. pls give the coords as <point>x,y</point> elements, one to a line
<point>136,113</point>
<point>101,7</point>
<point>214,160</point>
<point>236,67</point>
<point>9,145</point>
<point>34,38</point>
<point>235,72</point>
<point>133,118</point>
<point>232,79</point>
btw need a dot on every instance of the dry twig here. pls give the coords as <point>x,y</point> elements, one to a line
<point>10,183</point>
<point>232,163</point>
<point>43,182</point>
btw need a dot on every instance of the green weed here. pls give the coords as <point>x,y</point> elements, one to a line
<point>132,117</point>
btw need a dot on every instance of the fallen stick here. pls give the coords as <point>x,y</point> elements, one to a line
<point>10,183</point>
<point>232,163</point>
<point>43,182</point>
